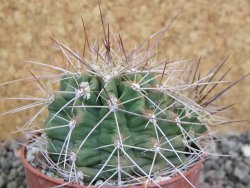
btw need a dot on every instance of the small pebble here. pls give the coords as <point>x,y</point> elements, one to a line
<point>13,174</point>
<point>228,167</point>
<point>2,182</point>
<point>241,171</point>
<point>98,183</point>
<point>245,150</point>
<point>16,163</point>
<point>12,184</point>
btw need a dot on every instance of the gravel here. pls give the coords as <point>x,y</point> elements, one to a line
<point>229,171</point>
<point>11,169</point>
<point>221,172</point>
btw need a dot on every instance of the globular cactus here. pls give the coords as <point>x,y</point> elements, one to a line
<point>125,118</point>
<point>126,121</point>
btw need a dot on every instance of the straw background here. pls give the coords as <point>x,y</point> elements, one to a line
<point>210,29</point>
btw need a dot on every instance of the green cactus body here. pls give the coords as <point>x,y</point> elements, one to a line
<point>118,122</point>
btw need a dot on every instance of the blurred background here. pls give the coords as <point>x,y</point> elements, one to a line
<point>210,29</point>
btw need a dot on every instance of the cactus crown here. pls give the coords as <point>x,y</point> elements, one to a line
<point>123,117</point>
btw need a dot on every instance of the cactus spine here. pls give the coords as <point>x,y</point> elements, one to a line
<point>123,117</point>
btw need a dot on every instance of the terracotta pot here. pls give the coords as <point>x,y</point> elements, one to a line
<point>36,179</point>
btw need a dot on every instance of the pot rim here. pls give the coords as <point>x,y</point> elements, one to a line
<point>37,172</point>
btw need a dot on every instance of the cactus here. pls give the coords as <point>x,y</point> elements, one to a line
<point>127,118</point>
<point>123,117</point>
